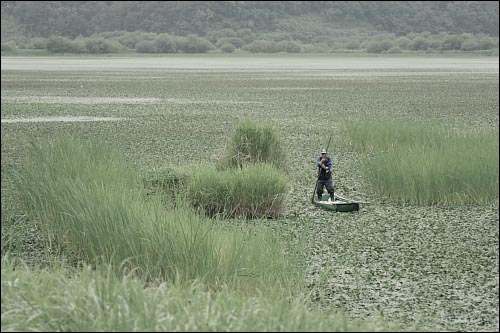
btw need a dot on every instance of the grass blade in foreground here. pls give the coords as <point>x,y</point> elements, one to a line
<point>37,300</point>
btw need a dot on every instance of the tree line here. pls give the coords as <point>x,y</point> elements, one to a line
<point>253,26</point>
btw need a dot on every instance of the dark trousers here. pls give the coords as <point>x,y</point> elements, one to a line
<point>329,187</point>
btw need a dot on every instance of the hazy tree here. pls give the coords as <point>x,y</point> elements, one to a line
<point>236,42</point>
<point>8,46</point>
<point>315,48</point>
<point>39,43</point>
<point>146,46</point>
<point>227,48</point>
<point>165,44</point>
<point>246,35</point>
<point>419,44</point>
<point>101,45</point>
<point>386,44</point>
<point>193,44</point>
<point>394,49</point>
<point>374,47</point>
<point>288,46</point>
<point>451,42</point>
<point>264,46</point>
<point>352,44</point>
<point>403,42</point>
<point>486,43</point>
<point>58,44</point>
<point>318,22</point>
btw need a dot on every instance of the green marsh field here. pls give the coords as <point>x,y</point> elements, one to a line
<point>415,137</point>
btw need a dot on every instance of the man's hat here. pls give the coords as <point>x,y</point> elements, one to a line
<point>323,151</point>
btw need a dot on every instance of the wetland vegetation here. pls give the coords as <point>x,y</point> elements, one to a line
<point>100,253</point>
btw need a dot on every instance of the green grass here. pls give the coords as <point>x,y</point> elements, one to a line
<point>425,164</point>
<point>249,181</point>
<point>254,191</point>
<point>437,265</point>
<point>88,202</point>
<point>168,183</point>
<point>252,143</point>
<point>63,301</point>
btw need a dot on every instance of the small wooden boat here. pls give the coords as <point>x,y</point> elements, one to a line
<point>340,204</point>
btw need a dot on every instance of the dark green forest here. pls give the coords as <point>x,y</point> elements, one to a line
<point>254,26</point>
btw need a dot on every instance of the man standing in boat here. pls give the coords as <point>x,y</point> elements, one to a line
<point>324,163</point>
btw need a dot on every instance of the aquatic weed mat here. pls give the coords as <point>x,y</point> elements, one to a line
<point>437,265</point>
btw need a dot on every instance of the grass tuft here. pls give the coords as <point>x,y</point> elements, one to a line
<point>256,191</point>
<point>427,165</point>
<point>252,143</point>
<point>88,202</point>
<point>98,300</point>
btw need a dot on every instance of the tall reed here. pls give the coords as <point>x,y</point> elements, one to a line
<point>255,191</point>
<point>169,183</point>
<point>387,134</point>
<point>89,301</point>
<point>89,202</point>
<point>429,164</point>
<point>251,143</point>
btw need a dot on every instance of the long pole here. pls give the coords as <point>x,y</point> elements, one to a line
<point>319,171</point>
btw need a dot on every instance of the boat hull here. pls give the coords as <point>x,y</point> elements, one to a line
<point>340,204</point>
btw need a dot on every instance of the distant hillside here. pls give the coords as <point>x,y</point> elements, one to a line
<point>305,19</point>
<point>255,26</point>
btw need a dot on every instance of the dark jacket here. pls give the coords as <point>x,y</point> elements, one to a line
<point>323,175</point>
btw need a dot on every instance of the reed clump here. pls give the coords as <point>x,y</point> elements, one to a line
<point>168,183</point>
<point>34,299</point>
<point>250,182</point>
<point>87,201</point>
<point>252,143</point>
<point>429,164</point>
<point>256,191</point>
